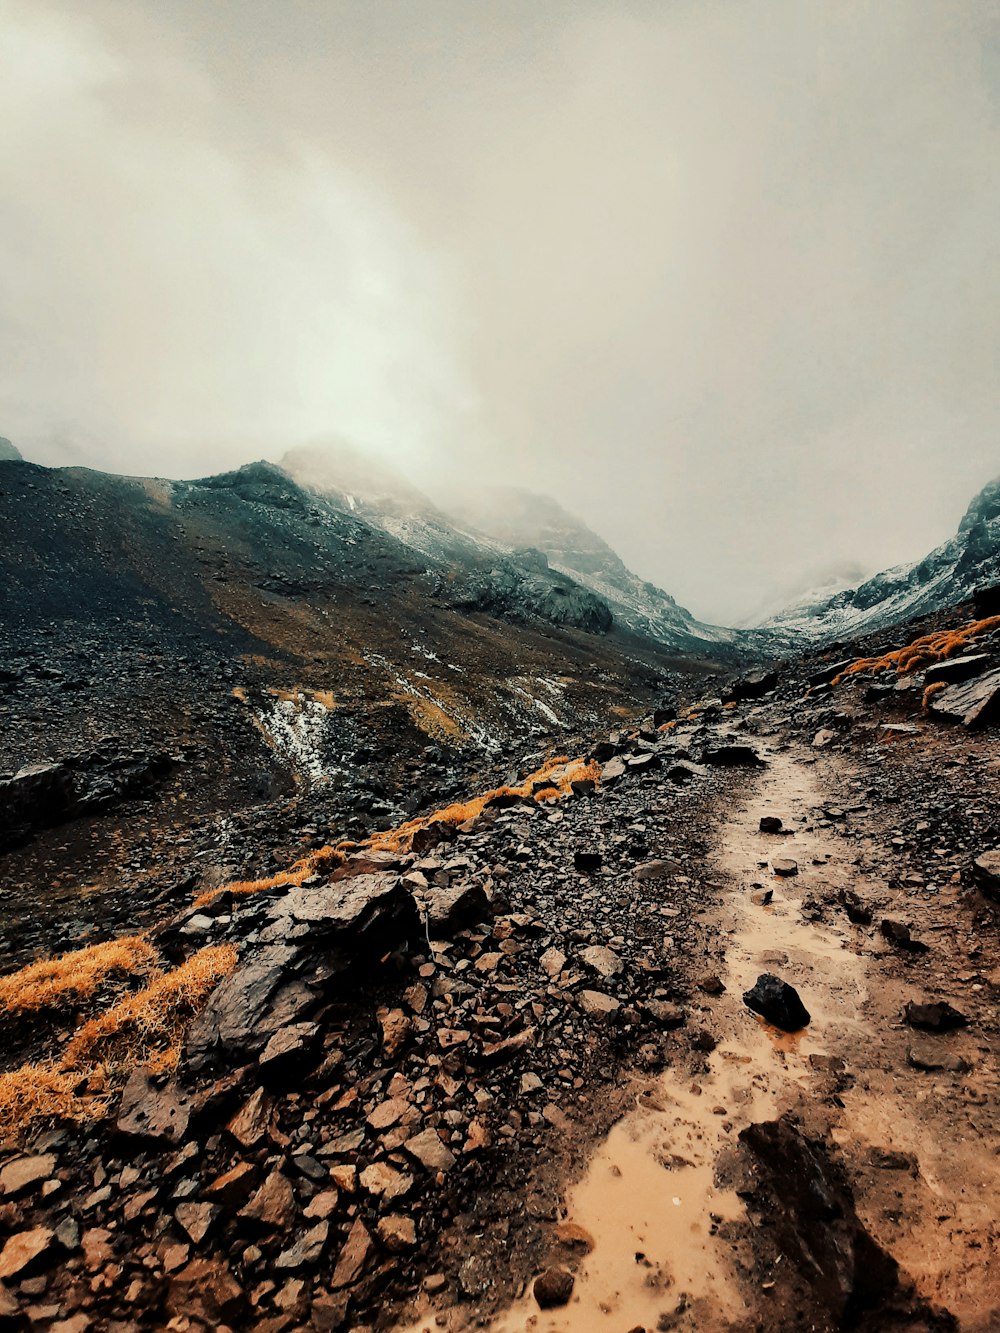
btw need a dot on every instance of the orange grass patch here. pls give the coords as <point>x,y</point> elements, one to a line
<point>42,1092</point>
<point>558,774</point>
<point>73,977</point>
<point>324,858</point>
<point>151,1022</point>
<point>144,1028</point>
<point>930,692</point>
<point>923,652</point>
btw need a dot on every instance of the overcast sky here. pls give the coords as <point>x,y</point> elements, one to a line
<point>723,277</point>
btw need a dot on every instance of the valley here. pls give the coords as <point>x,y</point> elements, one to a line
<point>381,956</point>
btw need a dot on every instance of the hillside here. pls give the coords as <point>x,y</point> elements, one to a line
<point>241,644</point>
<point>948,575</point>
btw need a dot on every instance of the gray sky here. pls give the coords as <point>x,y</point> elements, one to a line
<point>723,277</point>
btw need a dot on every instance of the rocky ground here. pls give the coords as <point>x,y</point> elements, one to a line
<point>518,1047</point>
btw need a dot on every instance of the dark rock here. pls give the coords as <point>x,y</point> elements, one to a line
<point>986,600</point>
<point>986,873</point>
<point>897,933</point>
<point>812,1218</point>
<point>754,686</point>
<point>451,910</point>
<point>154,1109</point>
<point>976,703</point>
<point>955,670</point>
<point>826,675</point>
<point>206,1289</point>
<point>661,716</point>
<point>857,913</point>
<point>785,866</point>
<point>553,1288</point>
<point>938,1016</point>
<point>770,824</point>
<point>777,1003</point>
<point>587,861</point>
<point>733,756</point>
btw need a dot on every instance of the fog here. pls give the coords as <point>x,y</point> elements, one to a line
<point>721,277</point>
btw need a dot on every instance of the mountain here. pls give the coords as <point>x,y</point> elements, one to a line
<point>521,519</point>
<point>510,524</point>
<point>950,574</point>
<point>280,652</point>
<point>8,453</point>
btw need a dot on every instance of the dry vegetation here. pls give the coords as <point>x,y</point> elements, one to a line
<point>923,652</point>
<point>930,692</point>
<point>56,983</point>
<point>557,774</point>
<point>145,1028</point>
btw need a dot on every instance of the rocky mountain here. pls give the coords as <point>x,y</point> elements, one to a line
<point>246,643</point>
<point>718,985</point>
<point>521,519</point>
<point>8,452</point>
<point>950,574</point>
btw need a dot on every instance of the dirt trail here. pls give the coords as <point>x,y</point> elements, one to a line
<point>670,1242</point>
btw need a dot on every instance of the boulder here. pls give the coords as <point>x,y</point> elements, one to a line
<point>974,703</point>
<point>812,1219</point>
<point>777,1003</point>
<point>936,1016</point>
<point>154,1109</point>
<point>955,670</point>
<point>733,756</point>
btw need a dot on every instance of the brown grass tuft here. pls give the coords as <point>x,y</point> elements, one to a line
<point>150,1024</point>
<point>923,652</point>
<point>930,692</point>
<point>42,1092</point>
<point>56,982</point>
<point>145,1028</point>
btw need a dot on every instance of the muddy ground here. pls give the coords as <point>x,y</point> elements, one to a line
<point>571,1079</point>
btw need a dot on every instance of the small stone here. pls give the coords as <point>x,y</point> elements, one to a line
<point>249,1125</point>
<point>553,1288</point>
<point>25,1249</point>
<point>397,1233</point>
<point>397,1032</point>
<point>595,1004</point>
<point>353,1257</point>
<point>587,861</point>
<point>306,1250</point>
<point>24,1173</point>
<point>385,1181</point>
<point>605,962</point>
<point>429,1151</point>
<point>196,1219</point>
<point>273,1206</point>
<point>770,824</point>
<point>785,866</point>
<point>552,962</point>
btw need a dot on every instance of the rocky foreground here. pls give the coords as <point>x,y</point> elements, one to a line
<point>701,1035</point>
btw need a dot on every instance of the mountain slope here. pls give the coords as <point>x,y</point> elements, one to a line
<point>946,576</point>
<point>509,526</point>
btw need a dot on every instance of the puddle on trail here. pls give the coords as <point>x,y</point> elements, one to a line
<point>649,1199</point>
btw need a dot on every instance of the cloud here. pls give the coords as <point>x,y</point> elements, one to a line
<point>721,277</point>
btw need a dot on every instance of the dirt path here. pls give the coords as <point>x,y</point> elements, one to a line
<point>671,1246</point>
